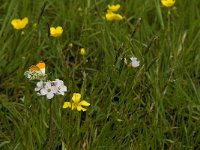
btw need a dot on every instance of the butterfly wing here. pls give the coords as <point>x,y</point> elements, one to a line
<point>41,66</point>
<point>34,68</point>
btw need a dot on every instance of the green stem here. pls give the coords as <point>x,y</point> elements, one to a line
<point>157,3</point>
<point>50,127</point>
<point>169,20</point>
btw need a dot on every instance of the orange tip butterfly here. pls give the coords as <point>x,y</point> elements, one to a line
<point>36,72</point>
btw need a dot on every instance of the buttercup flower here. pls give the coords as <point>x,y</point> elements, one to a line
<point>56,31</point>
<point>82,51</point>
<point>76,103</point>
<point>110,16</point>
<point>133,62</point>
<point>113,8</point>
<point>168,3</point>
<point>19,23</point>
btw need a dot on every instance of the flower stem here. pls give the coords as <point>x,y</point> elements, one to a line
<point>50,127</point>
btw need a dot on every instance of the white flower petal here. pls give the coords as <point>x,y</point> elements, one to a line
<point>37,89</point>
<point>48,84</point>
<point>134,62</point>
<point>50,95</point>
<point>39,84</point>
<point>63,88</point>
<point>54,89</point>
<point>43,91</point>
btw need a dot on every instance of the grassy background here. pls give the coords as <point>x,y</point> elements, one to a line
<point>154,106</point>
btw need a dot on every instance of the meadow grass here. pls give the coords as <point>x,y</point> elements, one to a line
<point>153,106</point>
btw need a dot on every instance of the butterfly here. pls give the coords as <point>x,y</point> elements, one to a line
<point>36,72</point>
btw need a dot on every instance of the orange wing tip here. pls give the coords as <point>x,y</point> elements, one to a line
<point>41,65</point>
<point>34,68</point>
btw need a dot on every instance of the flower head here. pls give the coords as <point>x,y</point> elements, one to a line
<point>113,8</point>
<point>168,3</point>
<point>19,23</point>
<point>110,16</point>
<point>82,51</point>
<point>39,85</point>
<point>76,103</point>
<point>50,88</point>
<point>56,31</point>
<point>60,87</point>
<point>133,62</point>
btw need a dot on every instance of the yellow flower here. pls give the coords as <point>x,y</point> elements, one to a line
<point>76,103</point>
<point>56,31</point>
<point>82,51</point>
<point>168,3</point>
<point>113,8</point>
<point>110,16</point>
<point>19,23</point>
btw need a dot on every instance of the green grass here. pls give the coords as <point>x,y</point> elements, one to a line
<point>154,106</point>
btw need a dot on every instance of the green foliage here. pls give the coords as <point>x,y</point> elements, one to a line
<point>153,106</point>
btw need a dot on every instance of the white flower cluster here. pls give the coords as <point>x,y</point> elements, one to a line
<point>51,88</point>
<point>133,62</point>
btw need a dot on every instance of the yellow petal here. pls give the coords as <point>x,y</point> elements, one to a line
<point>168,3</point>
<point>76,97</point>
<point>73,106</point>
<point>52,30</point>
<point>114,8</point>
<point>25,21</point>
<point>110,16</point>
<point>19,24</point>
<point>79,108</point>
<point>59,30</point>
<point>118,17</point>
<point>82,51</point>
<point>56,32</point>
<point>84,103</point>
<point>113,16</point>
<point>15,23</point>
<point>67,105</point>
